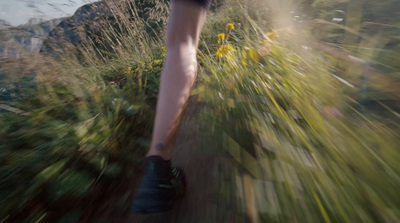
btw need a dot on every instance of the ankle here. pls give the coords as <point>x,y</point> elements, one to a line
<point>158,166</point>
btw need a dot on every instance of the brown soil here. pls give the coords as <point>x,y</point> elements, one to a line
<point>201,161</point>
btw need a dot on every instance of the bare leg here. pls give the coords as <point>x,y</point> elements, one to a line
<point>179,73</point>
<point>162,184</point>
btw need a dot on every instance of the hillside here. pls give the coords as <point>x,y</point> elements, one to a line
<point>16,41</point>
<point>278,127</point>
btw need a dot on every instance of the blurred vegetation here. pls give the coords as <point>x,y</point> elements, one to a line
<point>293,120</point>
<point>369,31</point>
<point>73,138</point>
<point>286,95</point>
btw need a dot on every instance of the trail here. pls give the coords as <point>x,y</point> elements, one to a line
<point>194,152</point>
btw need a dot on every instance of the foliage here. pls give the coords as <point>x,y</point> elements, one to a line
<point>290,125</point>
<point>82,126</point>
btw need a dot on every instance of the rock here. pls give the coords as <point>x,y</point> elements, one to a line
<point>92,21</point>
<point>70,32</point>
<point>4,24</point>
<point>25,38</point>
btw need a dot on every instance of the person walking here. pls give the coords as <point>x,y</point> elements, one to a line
<point>162,184</point>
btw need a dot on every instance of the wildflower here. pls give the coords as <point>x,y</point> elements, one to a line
<point>221,37</point>
<point>227,49</point>
<point>230,26</point>
<point>254,55</point>
<point>164,51</point>
<point>272,35</point>
<point>224,50</point>
<point>230,9</point>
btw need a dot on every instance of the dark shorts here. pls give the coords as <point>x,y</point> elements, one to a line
<point>202,3</point>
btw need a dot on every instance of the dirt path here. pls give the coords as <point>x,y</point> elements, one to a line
<point>194,151</point>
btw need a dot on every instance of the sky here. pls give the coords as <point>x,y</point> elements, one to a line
<point>18,12</point>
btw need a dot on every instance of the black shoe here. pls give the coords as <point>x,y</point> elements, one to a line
<point>158,192</point>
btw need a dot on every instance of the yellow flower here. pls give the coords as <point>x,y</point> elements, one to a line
<point>230,26</point>
<point>244,63</point>
<point>163,49</point>
<point>230,9</point>
<point>221,37</point>
<point>272,35</point>
<point>224,50</point>
<point>252,54</point>
<point>227,49</point>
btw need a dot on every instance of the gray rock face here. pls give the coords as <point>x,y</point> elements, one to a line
<point>89,22</point>
<point>71,31</point>
<point>63,34</point>
<point>4,24</point>
<point>46,37</point>
<point>28,38</point>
